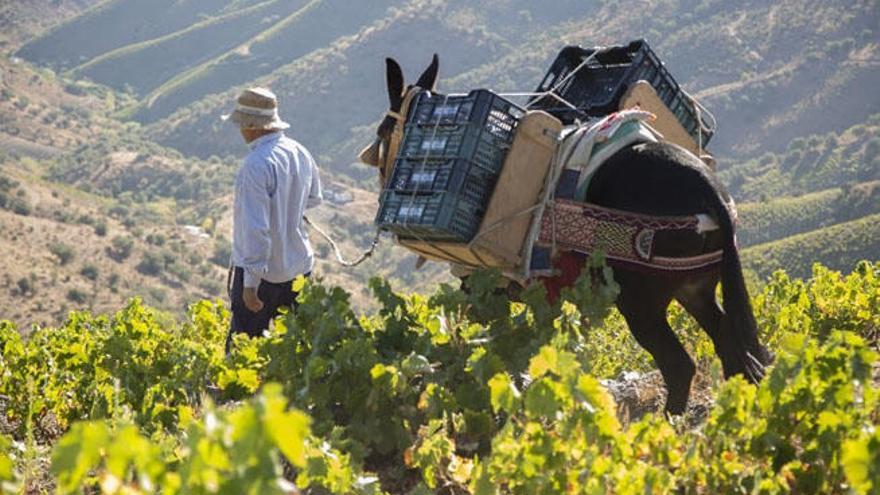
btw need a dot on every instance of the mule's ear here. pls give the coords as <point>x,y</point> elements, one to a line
<point>394,78</point>
<point>428,79</point>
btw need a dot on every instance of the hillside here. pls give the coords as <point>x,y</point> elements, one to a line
<point>69,248</point>
<point>518,65</point>
<point>788,219</point>
<point>809,163</point>
<point>64,251</point>
<point>44,115</point>
<point>124,126</point>
<point>116,178</point>
<point>838,246</point>
<point>786,216</point>
<point>734,60</point>
<point>69,169</point>
<point>448,393</point>
<point>20,21</point>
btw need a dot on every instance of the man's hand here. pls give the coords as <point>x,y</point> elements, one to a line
<point>251,299</point>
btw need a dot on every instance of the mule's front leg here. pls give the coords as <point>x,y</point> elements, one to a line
<point>646,316</point>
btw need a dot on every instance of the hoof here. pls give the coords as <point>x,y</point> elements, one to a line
<point>676,402</point>
<point>677,408</point>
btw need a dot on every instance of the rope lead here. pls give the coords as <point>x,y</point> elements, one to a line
<point>342,261</point>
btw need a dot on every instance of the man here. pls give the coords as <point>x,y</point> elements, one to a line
<point>276,184</point>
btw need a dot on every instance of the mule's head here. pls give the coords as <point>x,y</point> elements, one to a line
<point>382,151</point>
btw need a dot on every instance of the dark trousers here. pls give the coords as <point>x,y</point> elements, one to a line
<point>274,297</point>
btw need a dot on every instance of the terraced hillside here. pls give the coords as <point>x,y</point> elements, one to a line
<point>786,216</point>
<point>21,21</point>
<point>119,100</point>
<point>817,200</point>
<point>809,163</point>
<point>92,214</point>
<point>769,72</point>
<point>115,181</point>
<point>838,246</point>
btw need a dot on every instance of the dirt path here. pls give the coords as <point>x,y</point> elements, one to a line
<point>737,85</point>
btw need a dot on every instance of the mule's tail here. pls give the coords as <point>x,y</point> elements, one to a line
<point>741,352</point>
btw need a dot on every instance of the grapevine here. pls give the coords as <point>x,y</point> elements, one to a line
<point>451,393</point>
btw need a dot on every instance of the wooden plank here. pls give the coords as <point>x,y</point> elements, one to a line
<point>642,95</point>
<point>519,187</point>
<point>454,252</point>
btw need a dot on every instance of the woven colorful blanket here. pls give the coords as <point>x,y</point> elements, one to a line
<point>626,238</point>
<point>569,224</point>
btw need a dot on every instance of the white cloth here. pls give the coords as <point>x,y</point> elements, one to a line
<point>278,181</point>
<point>587,146</point>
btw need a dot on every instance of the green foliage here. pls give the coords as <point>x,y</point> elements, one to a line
<point>788,435</point>
<point>151,263</point>
<point>100,228</point>
<point>62,251</point>
<point>814,164</point>
<point>21,206</point>
<point>784,217</point>
<point>8,474</point>
<point>16,203</point>
<point>121,248</point>
<point>90,271</point>
<point>839,247</point>
<point>155,172</point>
<point>7,184</point>
<point>117,451</point>
<point>827,302</point>
<point>222,252</point>
<point>465,392</point>
<point>96,367</point>
<point>861,461</point>
<point>77,296</point>
<point>237,451</point>
<point>24,286</point>
<point>156,239</point>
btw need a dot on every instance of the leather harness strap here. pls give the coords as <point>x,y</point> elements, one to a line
<point>395,115</point>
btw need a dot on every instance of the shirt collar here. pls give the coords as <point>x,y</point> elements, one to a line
<point>265,139</point>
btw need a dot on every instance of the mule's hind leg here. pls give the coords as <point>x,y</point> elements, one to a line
<point>699,300</point>
<point>645,313</point>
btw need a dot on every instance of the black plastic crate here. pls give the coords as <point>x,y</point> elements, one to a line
<point>440,216</point>
<point>479,126</point>
<point>596,89</point>
<point>456,175</point>
<point>466,141</point>
<point>452,152</point>
<point>478,106</point>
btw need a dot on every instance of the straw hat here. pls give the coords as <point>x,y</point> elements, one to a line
<point>257,108</point>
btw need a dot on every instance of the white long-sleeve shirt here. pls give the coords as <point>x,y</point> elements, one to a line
<point>278,181</point>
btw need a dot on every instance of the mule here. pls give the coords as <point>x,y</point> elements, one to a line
<point>659,179</point>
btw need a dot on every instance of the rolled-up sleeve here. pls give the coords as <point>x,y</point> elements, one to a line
<point>252,234</point>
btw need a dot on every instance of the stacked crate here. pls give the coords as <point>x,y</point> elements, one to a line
<point>449,160</point>
<point>594,80</point>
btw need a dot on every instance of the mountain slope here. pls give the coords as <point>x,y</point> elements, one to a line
<point>786,216</point>
<point>838,246</point>
<point>769,72</point>
<point>20,21</point>
<point>66,250</point>
<point>120,119</point>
